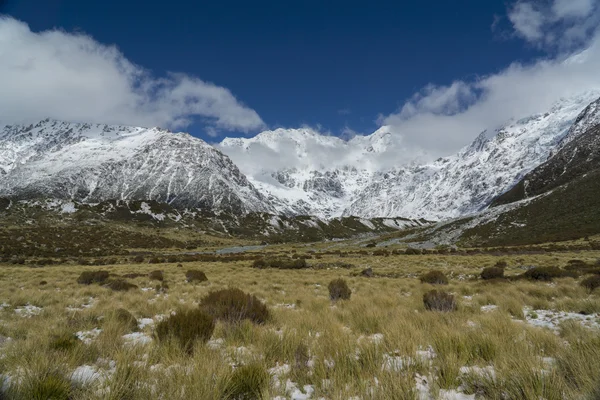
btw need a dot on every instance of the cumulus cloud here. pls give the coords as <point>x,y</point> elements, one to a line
<point>441,120</point>
<point>70,76</point>
<point>556,24</point>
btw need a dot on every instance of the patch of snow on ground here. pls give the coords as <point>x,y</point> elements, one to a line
<point>87,374</point>
<point>489,308</point>
<point>137,338</point>
<point>551,319</point>
<point>487,372</point>
<point>88,336</point>
<point>28,311</point>
<point>144,322</point>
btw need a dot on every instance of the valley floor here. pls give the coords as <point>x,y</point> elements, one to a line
<point>508,339</point>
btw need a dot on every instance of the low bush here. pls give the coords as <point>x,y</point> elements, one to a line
<point>187,327</point>
<point>591,283</point>
<point>501,264</point>
<point>125,318</point>
<point>120,285</point>
<point>367,272</point>
<point>439,301</point>
<point>233,305</point>
<point>63,341</point>
<point>281,263</point>
<point>434,277</point>
<point>42,283</point>
<point>194,275</point>
<point>339,290</point>
<point>89,277</point>
<point>248,382</point>
<point>156,275</point>
<point>548,273</point>
<point>138,259</point>
<point>492,273</point>
<point>411,251</point>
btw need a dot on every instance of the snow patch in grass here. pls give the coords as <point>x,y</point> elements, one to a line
<point>137,338</point>
<point>28,311</point>
<point>88,336</point>
<point>551,319</point>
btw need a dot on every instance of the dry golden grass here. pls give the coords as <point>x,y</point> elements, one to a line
<point>376,345</point>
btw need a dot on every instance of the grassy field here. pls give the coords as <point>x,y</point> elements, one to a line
<point>507,339</point>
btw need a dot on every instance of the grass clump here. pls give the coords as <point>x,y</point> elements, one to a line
<point>233,305</point>
<point>47,385</point>
<point>125,318</point>
<point>492,273</point>
<point>548,273</point>
<point>339,290</point>
<point>89,277</point>
<point>248,382</point>
<point>156,275</point>
<point>591,283</point>
<point>434,277</point>
<point>439,301</point>
<point>187,327</point>
<point>194,275</point>
<point>120,285</point>
<point>280,263</point>
<point>63,341</point>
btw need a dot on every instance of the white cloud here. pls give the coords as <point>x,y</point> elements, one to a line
<point>72,77</point>
<point>515,92</point>
<point>527,21</point>
<point>572,8</point>
<point>557,24</point>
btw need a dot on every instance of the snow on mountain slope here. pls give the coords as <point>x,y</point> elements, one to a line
<point>304,172</point>
<point>93,163</point>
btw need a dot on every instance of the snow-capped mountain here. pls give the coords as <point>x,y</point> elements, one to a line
<point>304,172</point>
<point>93,163</point>
<point>284,171</point>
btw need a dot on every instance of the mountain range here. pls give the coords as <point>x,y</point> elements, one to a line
<point>294,172</point>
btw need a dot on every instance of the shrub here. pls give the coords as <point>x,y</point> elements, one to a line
<point>138,259</point>
<point>154,260</point>
<point>195,276</point>
<point>187,327</point>
<point>156,275</point>
<point>247,382</point>
<point>233,305</point>
<point>89,277</point>
<point>548,273</point>
<point>368,272</point>
<point>411,251</point>
<point>339,290</point>
<point>492,273</point>
<point>370,245</point>
<point>434,277</point>
<point>63,341</point>
<point>283,263</point>
<point>439,301</point>
<point>501,264</point>
<point>42,283</point>
<point>591,283</point>
<point>120,285</point>
<point>125,318</point>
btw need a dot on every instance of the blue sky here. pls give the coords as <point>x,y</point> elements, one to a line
<point>336,65</point>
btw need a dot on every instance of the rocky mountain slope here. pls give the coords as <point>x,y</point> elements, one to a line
<point>93,163</point>
<point>578,154</point>
<point>304,172</point>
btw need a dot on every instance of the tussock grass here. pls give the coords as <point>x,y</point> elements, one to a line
<point>342,349</point>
